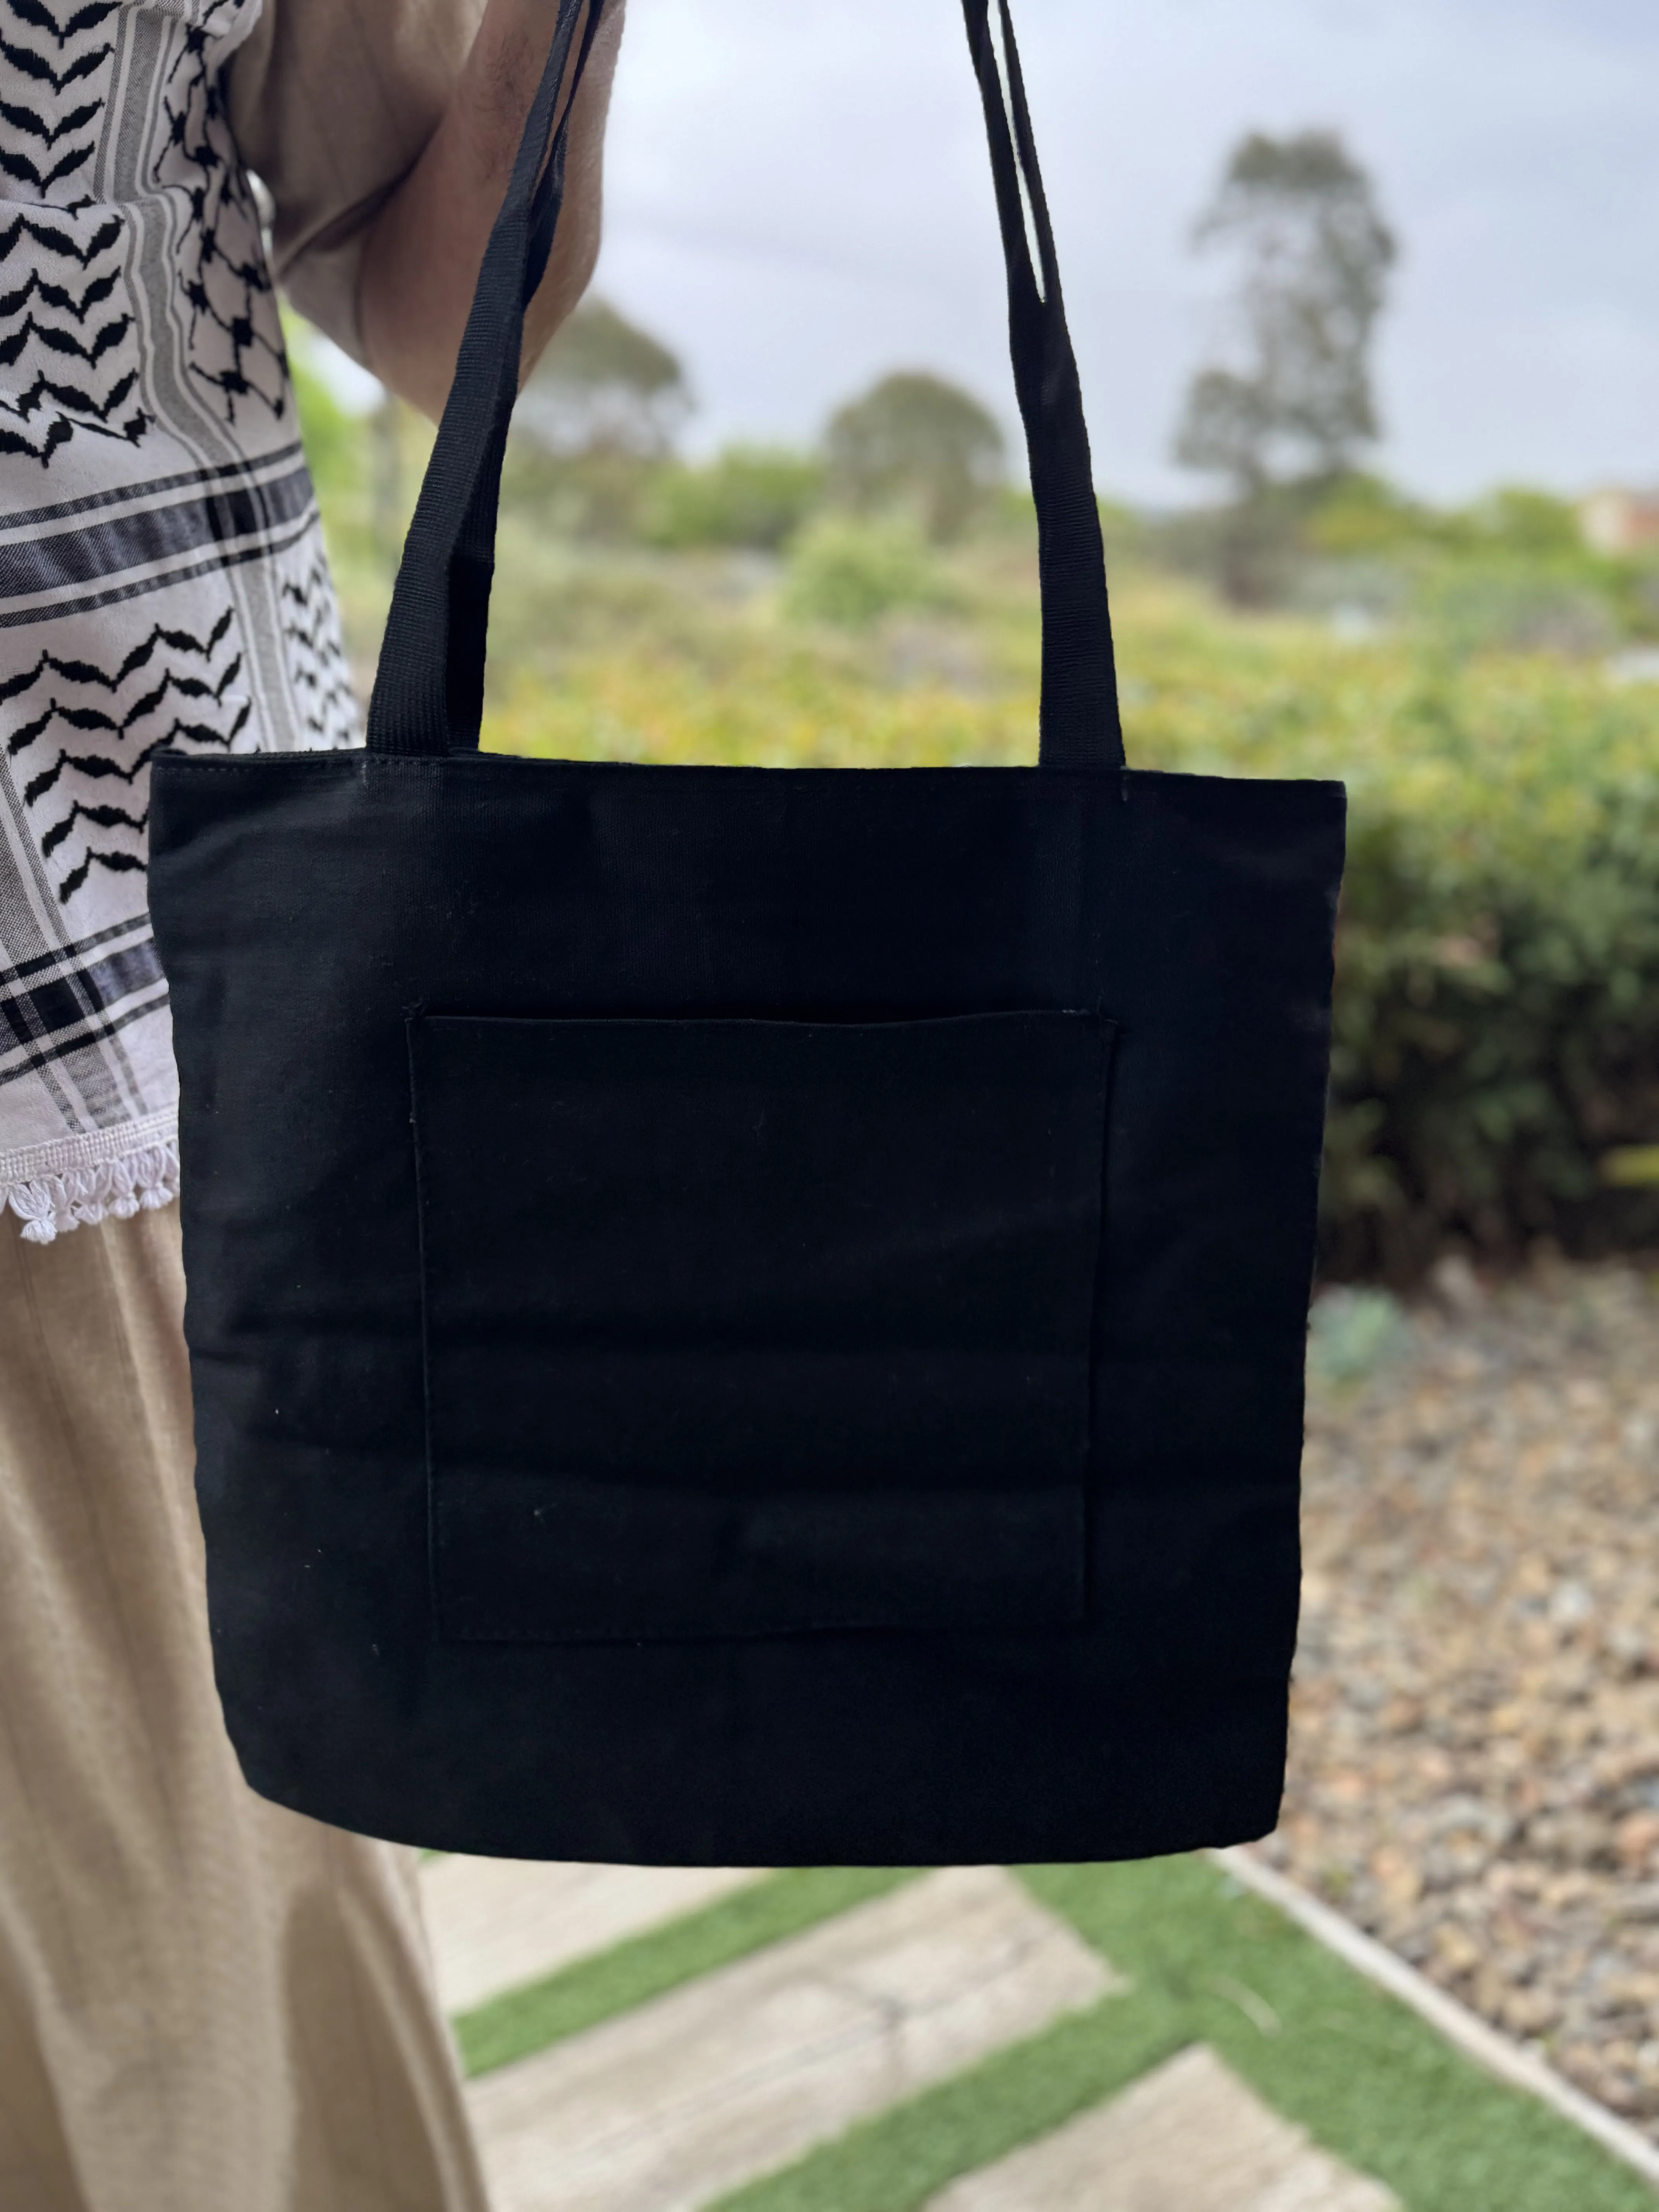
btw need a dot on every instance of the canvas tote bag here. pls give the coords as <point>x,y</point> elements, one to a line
<point>743,1316</point>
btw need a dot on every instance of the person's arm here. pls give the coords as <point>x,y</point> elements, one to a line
<point>421,258</point>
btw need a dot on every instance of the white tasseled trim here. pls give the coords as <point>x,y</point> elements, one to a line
<point>53,1188</point>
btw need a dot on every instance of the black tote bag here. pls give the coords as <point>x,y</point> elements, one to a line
<point>740,1316</point>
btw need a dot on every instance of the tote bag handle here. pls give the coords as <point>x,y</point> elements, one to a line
<point>428,690</point>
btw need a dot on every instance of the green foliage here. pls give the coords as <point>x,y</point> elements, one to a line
<point>335,441</point>
<point>604,385</point>
<point>1496,1068</point>
<point>917,445</point>
<point>1498,981</point>
<point>593,428</point>
<point>1631,1167</point>
<point>1532,525</point>
<point>1353,1332</point>
<point>850,574</point>
<point>1510,574</point>
<point>1498,1019</point>
<point>1499,602</point>
<point>1357,514</point>
<point>598,495</point>
<point>753,496</point>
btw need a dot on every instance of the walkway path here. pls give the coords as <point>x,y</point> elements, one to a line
<point>970,2041</point>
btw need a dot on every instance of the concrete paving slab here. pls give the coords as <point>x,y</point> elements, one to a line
<point>1189,2137</point>
<point>739,2072</point>
<point>498,1923</point>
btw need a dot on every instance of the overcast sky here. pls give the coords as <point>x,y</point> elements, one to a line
<point>799,201</point>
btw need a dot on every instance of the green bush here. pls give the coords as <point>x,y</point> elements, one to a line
<point>850,573</point>
<point>1506,604</point>
<point>1497,1002</point>
<point>750,497</point>
<point>1496,1023</point>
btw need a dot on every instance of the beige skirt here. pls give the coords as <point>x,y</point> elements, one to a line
<point>207,2004</point>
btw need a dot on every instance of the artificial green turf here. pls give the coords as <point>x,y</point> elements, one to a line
<point>899,2160</point>
<point>521,2022</point>
<point>1369,2080</point>
<point>1365,2074</point>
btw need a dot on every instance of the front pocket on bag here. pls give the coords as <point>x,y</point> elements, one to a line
<point>757,1328</point>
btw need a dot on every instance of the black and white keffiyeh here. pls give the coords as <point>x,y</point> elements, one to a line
<point>162,578</point>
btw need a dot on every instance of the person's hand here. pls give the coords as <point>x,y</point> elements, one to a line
<point>421,260</point>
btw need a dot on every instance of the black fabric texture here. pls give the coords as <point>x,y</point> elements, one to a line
<point>749,1317</point>
<point>758,1328</point>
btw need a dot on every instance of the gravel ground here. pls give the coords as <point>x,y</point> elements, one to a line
<point>1474,1770</point>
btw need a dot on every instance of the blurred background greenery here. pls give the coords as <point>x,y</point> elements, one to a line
<point>1484,680</point>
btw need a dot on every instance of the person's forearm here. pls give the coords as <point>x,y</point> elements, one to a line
<point>421,257</point>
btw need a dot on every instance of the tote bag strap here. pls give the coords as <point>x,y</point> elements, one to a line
<point>428,688</point>
<point>1081,727</point>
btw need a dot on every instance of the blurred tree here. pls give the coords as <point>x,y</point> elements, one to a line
<point>917,444</point>
<point>1290,405</point>
<point>594,427</point>
<point>604,386</point>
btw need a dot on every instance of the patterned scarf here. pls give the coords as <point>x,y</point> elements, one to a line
<point>163,578</point>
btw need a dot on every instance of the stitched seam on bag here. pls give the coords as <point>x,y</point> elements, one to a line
<point>432,1584</point>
